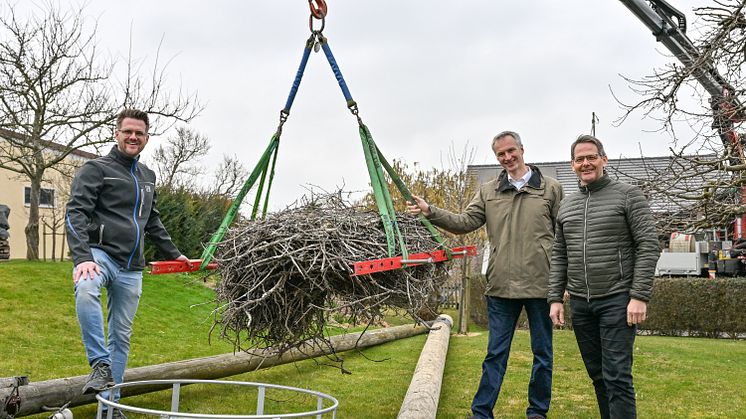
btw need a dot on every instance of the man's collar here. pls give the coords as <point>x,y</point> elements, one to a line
<point>599,184</point>
<point>117,154</point>
<point>534,181</point>
<point>525,178</point>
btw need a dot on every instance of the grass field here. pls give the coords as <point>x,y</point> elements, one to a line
<point>39,337</point>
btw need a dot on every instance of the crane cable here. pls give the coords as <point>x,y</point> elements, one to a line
<point>374,159</point>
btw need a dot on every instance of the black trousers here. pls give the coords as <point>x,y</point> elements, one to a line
<point>606,343</point>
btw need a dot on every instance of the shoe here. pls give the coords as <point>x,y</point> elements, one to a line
<point>100,379</point>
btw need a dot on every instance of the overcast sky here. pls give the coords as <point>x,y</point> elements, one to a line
<point>427,74</point>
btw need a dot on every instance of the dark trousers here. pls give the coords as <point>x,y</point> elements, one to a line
<point>606,343</point>
<point>503,316</point>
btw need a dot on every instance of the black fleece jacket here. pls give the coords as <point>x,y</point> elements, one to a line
<point>111,207</point>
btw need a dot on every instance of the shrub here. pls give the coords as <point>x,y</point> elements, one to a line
<point>697,307</point>
<point>190,218</point>
<point>678,307</point>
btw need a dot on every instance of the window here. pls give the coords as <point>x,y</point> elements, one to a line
<point>46,198</point>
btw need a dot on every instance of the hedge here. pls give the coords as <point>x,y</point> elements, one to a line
<point>190,218</point>
<point>679,307</point>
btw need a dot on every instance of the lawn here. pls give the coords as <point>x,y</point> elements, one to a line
<point>39,337</point>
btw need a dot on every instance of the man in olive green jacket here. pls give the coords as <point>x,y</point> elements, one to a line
<point>519,210</point>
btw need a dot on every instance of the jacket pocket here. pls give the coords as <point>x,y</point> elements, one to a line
<point>146,200</point>
<point>490,263</point>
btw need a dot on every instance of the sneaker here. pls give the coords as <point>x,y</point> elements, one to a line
<point>100,379</point>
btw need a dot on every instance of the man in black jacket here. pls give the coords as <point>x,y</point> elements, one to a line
<point>111,208</point>
<point>604,255</point>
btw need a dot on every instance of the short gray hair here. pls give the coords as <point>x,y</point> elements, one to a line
<point>585,138</point>
<point>504,134</point>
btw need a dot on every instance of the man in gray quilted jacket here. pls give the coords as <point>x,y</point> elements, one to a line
<point>604,255</point>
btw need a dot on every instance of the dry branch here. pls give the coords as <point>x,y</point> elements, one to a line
<point>284,278</point>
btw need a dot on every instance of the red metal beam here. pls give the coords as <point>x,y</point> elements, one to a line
<point>397,262</point>
<point>174,266</point>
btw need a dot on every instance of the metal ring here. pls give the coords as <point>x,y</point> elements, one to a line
<point>310,24</point>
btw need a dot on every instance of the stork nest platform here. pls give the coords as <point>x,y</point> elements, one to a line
<point>284,279</point>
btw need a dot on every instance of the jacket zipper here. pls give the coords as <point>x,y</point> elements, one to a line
<point>585,244</point>
<point>621,267</point>
<point>100,235</point>
<point>142,201</point>
<point>134,214</point>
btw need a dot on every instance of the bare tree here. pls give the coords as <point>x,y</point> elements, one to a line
<point>54,218</point>
<point>461,191</point>
<point>175,162</point>
<point>57,95</point>
<point>702,186</point>
<point>229,176</point>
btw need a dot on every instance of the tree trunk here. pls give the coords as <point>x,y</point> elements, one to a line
<point>57,392</point>
<point>423,395</point>
<point>62,247</point>
<point>32,228</point>
<point>463,305</point>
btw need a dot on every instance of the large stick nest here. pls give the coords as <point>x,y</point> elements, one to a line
<point>284,278</point>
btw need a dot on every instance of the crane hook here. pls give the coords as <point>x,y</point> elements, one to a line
<point>319,10</point>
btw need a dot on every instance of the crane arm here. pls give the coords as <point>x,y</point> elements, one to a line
<point>669,27</point>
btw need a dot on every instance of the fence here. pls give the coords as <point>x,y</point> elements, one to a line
<point>450,295</point>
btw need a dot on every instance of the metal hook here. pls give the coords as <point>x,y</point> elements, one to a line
<point>319,10</point>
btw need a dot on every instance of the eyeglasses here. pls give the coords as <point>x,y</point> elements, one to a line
<point>129,132</point>
<point>591,159</point>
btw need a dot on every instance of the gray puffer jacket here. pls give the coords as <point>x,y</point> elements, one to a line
<point>605,243</point>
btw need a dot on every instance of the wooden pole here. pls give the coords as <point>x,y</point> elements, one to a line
<point>54,393</point>
<point>421,401</point>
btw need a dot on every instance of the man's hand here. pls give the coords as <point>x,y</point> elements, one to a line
<point>186,260</point>
<point>636,311</point>
<point>419,206</point>
<point>85,270</point>
<point>557,314</point>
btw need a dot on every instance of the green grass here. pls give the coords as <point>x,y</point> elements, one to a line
<point>39,337</point>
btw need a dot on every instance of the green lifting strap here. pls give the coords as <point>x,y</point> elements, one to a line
<point>376,163</point>
<point>407,195</point>
<point>260,170</point>
<point>260,188</point>
<point>381,193</point>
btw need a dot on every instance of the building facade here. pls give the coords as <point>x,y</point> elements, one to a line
<point>15,191</point>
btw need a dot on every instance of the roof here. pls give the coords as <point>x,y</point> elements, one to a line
<point>636,171</point>
<point>5,133</point>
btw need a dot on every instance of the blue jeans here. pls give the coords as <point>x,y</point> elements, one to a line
<point>503,316</point>
<point>123,291</point>
<point>606,342</point>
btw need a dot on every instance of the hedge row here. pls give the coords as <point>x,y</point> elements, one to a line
<point>679,307</point>
<point>190,218</point>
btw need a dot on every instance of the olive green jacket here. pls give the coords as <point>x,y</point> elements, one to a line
<point>520,227</point>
